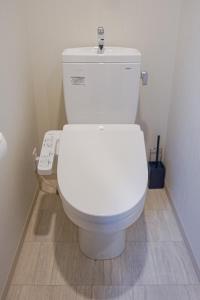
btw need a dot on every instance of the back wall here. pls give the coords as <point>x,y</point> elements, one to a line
<point>149,25</point>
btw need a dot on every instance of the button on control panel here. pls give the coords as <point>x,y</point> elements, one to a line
<point>48,151</point>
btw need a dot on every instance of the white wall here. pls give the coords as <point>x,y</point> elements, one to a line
<point>183,142</point>
<point>150,26</point>
<point>17,122</point>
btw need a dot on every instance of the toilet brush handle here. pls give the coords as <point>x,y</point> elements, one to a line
<point>157,150</point>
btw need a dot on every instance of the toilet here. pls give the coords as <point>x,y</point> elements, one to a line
<point>102,165</point>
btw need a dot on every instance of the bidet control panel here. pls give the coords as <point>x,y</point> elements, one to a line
<point>48,152</point>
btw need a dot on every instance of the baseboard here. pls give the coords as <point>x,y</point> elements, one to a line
<point>13,265</point>
<point>195,265</point>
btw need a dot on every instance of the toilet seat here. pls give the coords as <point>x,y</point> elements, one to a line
<point>102,174</point>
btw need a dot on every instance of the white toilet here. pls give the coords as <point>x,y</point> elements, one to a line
<point>102,166</point>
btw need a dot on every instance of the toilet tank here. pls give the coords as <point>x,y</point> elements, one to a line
<point>101,88</point>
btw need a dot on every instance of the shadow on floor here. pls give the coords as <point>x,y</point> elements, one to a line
<point>72,267</point>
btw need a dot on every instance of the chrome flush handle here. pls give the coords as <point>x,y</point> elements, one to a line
<point>100,38</point>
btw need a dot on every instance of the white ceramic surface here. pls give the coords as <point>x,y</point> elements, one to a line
<point>102,169</point>
<point>102,245</point>
<point>102,178</point>
<point>101,88</point>
<point>109,54</point>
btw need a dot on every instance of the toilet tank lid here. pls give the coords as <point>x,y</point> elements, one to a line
<point>110,54</point>
<point>102,169</point>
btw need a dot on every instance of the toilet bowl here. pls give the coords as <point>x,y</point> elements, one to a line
<point>102,179</point>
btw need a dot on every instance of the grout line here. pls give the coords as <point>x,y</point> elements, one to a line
<point>128,242</point>
<point>108,285</point>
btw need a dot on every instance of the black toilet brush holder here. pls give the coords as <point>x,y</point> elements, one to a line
<point>156,170</point>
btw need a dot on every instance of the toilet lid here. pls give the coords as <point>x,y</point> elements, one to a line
<point>102,169</point>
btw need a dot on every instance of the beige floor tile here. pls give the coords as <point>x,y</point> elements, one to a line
<point>83,293</point>
<point>157,263</point>
<point>134,266</point>
<point>167,292</point>
<point>65,264</point>
<point>147,292</point>
<point>138,231</point>
<point>193,292</point>
<point>37,203</point>
<point>33,292</point>
<point>73,267</point>
<point>48,225</point>
<point>168,220</point>
<point>172,263</point>
<point>14,292</point>
<point>26,265</point>
<point>44,226</point>
<point>35,264</point>
<point>113,293</point>
<point>112,271</point>
<point>45,263</point>
<point>155,225</point>
<point>98,272</point>
<point>51,202</point>
<point>141,263</point>
<point>157,200</point>
<point>68,232</point>
<point>48,293</point>
<point>137,265</point>
<point>84,269</point>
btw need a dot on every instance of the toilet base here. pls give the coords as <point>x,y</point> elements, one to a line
<point>98,245</point>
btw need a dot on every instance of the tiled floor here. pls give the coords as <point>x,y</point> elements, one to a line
<point>155,265</point>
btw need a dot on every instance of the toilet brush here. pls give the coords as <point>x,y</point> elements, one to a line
<point>157,150</point>
<point>156,170</point>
